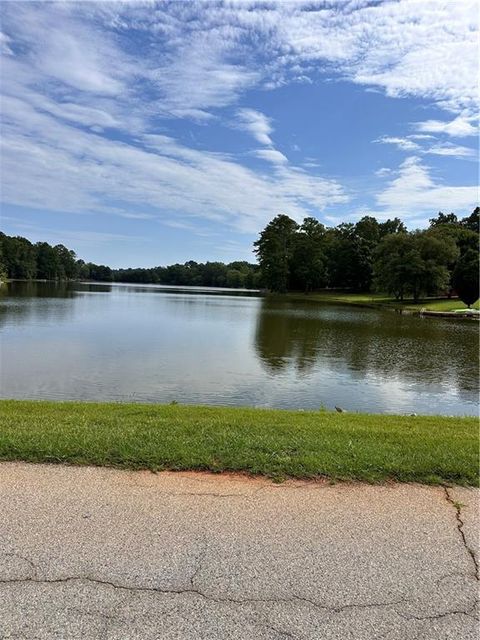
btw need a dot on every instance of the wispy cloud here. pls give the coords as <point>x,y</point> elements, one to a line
<point>40,153</point>
<point>459,127</point>
<point>426,49</point>
<point>414,194</point>
<point>382,172</point>
<point>413,143</point>
<point>203,58</point>
<point>4,44</point>
<point>91,91</point>
<point>271,155</point>
<point>256,123</point>
<point>455,151</point>
<point>78,238</point>
<point>405,144</point>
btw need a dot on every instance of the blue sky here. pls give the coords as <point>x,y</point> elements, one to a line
<point>141,133</point>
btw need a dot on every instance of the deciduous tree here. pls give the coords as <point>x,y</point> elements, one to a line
<point>465,277</point>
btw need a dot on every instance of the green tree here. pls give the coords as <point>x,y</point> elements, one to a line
<point>308,261</point>
<point>350,251</point>
<point>391,268</point>
<point>48,263</point>
<point>214,274</point>
<point>99,272</point>
<point>436,254</point>
<point>67,262</point>
<point>443,218</point>
<point>339,253</point>
<point>19,257</point>
<point>235,279</point>
<point>472,222</point>
<point>274,250</point>
<point>3,269</point>
<point>465,277</point>
<point>367,234</point>
<point>391,226</point>
<point>413,263</point>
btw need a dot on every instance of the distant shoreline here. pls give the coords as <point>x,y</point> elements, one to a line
<point>429,307</point>
<point>434,307</point>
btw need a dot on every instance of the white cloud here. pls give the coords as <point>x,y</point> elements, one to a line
<point>74,68</point>
<point>203,58</point>
<point>4,44</point>
<point>49,164</point>
<point>256,123</point>
<point>198,59</point>
<point>196,80</point>
<point>414,193</point>
<point>405,144</point>
<point>422,48</point>
<point>78,238</point>
<point>446,149</point>
<point>421,136</point>
<point>271,155</point>
<point>382,172</point>
<point>411,143</point>
<point>63,48</point>
<point>459,127</point>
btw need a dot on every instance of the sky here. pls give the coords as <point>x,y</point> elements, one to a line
<point>148,133</point>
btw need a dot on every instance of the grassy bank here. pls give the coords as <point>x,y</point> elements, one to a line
<point>381,300</point>
<point>271,442</point>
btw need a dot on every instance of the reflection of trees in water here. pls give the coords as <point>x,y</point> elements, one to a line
<point>35,289</point>
<point>21,302</point>
<point>301,335</point>
<point>49,289</point>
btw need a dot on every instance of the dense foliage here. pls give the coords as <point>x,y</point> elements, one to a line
<point>21,259</point>
<point>298,257</point>
<point>372,255</point>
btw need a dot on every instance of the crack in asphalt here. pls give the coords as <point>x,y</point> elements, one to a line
<point>193,591</point>
<point>12,554</point>
<point>453,574</point>
<point>198,566</point>
<point>288,635</point>
<point>445,614</point>
<point>175,494</point>
<point>460,525</point>
<point>294,599</point>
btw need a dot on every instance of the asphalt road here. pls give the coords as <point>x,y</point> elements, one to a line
<point>100,553</point>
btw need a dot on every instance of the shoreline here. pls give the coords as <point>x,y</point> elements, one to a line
<point>363,300</point>
<point>378,301</point>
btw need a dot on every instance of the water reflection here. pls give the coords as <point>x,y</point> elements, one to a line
<point>90,341</point>
<point>307,335</point>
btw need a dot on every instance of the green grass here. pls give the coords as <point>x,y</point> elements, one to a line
<point>275,443</point>
<point>442,305</point>
<point>382,300</point>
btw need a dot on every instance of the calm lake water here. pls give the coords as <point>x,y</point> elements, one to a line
<point>146,343</point>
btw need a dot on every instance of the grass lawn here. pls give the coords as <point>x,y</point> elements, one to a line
<point>275,443</point>
<point>382,300</point>
<point>441,305</point>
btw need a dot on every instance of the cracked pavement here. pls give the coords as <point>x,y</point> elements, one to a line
<point>101,553</point>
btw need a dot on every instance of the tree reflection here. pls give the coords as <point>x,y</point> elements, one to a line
<point>306,336</point>
<point>22,301</point>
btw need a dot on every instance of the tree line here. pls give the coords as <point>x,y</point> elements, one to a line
<point>371,255</point>
<point>22,259</point>
<point>359,257</point>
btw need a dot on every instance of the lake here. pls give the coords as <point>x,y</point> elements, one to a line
<point>148,343</point>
